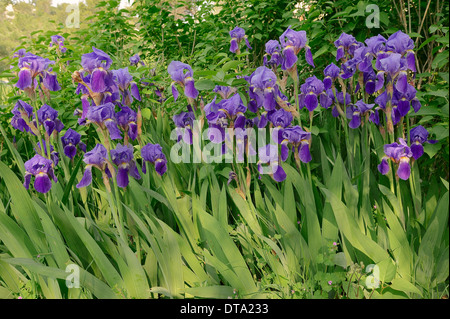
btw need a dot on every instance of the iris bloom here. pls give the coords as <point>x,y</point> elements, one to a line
<point>122,156</point>
<point>237,34</point>
<point>104,117</point>
<point>48,117</point>
<point>135,59</point>
<point>404,100</point>
<point>273,50</point>
<point>42,169</point>
<point>59,41</point>
<point>265,88</point>
<point>299,140</point>
<point>153,153</point>
<point>33,67</point>
<point>402,44</point>
<point>400,154</point>
<point>128,88</point>
<point>292,42</point>
<point>224,91</point>
<point>70,140</point>
<point>312,90</point>
<point>182,74</point>
<point>183,122</point>
<point>331,73</point>
<point>54,155</point>
<point>23,113</point>
<point>97,64</point>
<point>346,44</point>
<point>357,111</point>
<point>269,155</point>
<point>419,135</point>
<point>126,119</point>
<point>97,157</point>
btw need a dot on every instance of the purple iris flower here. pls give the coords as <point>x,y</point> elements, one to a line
<point>97,64</point>
<point>103,116</point>
<point>184,122</point>
<point>23,113</point>
<point>299,140</point>
<point>59,41</point>
<point>280,120</point>
<point>153,153</point>
<point>48,117</point>
<point>70,140</point>
<point>402,44</point>
<point>97,157</point>
<point>417,136</point>
<point>42,169</point>
<point>231,176</point>
<point>312,90</point>
<point>331,73</point>
<point>265,88</point>
<point>376,44</point>
<point>357,111</point>
<point>394,66</point>
<point>122,156</point>
<point>128,88</point>
<point>224,91</point>
<point>135,59</point>
<point>182,74</point>
<point>404,100</point>
<point>20,53</point>
<point>269,155</point>
<point>346,44</point>
<point>33,67</point>
<point>237,34</point>
<point>292,42</point>
<point>400,154</point>
<point>273,50</point>
<point>54,155</point>
<point>126,119</point>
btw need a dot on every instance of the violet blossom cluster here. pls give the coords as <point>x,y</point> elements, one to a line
<point>106,98</point>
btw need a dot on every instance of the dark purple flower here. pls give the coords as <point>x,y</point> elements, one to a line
<point>59,41</point>
<point>184,122</point>
<point>123,157</point>
<point>402,44</point>
<point>400,154</point>
<point>346,44</point>
<point>331,73</point>
<point>404,100</point>
<point>103,116</point>
<point>376,44</point>
<point>237,34</point>
<point>48,117</point>
<point>273,50</point>
<point>128,88</point>
<point>70,140</point>
<point>42,169</point>
<point>224,91</point>
<point>97,64</point>
<point>292,42</point>
<point>23,113</point>
<point>153,153</point>
<point>357,111</point>
<point>97,157</point>
<point>182,74</point>
<point>300,141</point>
<point>312,90</point>
<point>265,88</point>
<point>135,59</point>
<point>269,155</point>
<point>33,67</point>
<point>20,53</point>
<point>126,119</point>
<point>417,136</point>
